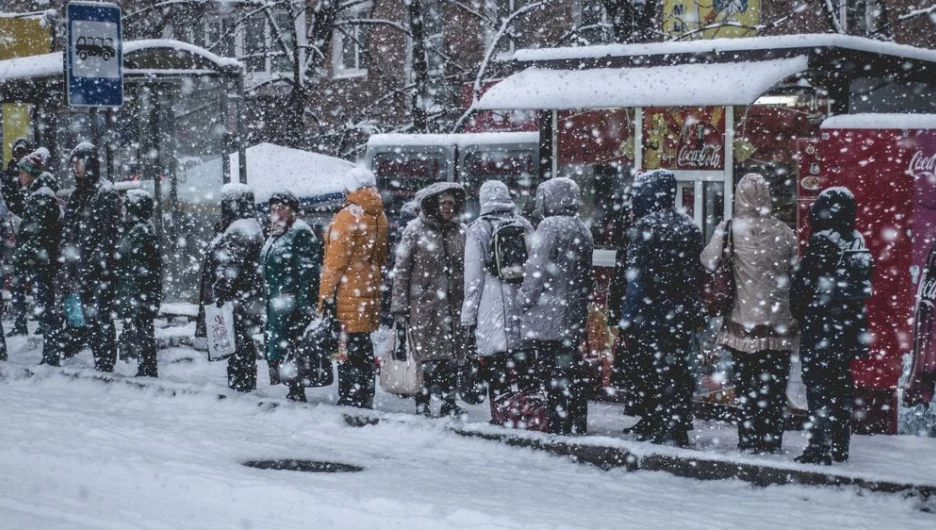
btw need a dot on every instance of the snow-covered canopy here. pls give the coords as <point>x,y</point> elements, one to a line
<point>270,168</point>
<point>456,139</point>
<point>685,84</point>
<point>50,64</point>
<point>725,46</point>
<point>881,121</point>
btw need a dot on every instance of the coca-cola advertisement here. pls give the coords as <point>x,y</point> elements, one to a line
<point>922,170</point>
<point>890,171</point>
<point>684,138</point>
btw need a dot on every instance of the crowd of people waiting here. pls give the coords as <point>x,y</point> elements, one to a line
<point>99,259</point>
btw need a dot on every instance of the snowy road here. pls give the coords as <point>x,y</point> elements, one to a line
<point>85,454</point>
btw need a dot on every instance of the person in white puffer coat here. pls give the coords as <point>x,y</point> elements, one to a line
<point>490,307</point>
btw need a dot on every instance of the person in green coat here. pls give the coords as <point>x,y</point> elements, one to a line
<point>139,280</point>
<point>289,262</point>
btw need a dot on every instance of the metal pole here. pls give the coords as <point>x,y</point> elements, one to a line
<point>226,138</point>
<point>241,133</point>
<point>154,163</point>
<point>108,148</point>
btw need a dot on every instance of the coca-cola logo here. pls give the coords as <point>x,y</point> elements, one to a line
<point>922,165</point>
<point>928,291</point>
<point>709,156</point>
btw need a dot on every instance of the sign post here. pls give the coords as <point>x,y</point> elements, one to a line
<point>93,54</point>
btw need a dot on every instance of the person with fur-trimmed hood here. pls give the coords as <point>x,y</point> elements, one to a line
<point>231,273</point>
<point>91,229</point>
<point>557,285</point>
<point>139,280</point>
<point>40,231</point>
<point>662,308</point>
<point>428,291</point>
<point>355,252</point>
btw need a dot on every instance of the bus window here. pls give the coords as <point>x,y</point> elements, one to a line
<point>401,174</point>
<point>514,167</point>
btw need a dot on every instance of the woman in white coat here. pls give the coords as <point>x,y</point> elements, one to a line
<point>490,308</point>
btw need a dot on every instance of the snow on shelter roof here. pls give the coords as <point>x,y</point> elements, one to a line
<point>724,45</point>
<point>677,85</point>
<point>881,121</point>
<point>455,139</point>
<point>270,168</point>
<point>52,64</point>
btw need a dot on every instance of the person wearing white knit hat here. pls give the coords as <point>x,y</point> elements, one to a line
<point>360,177</point>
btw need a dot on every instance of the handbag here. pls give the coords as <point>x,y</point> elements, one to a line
<point>219,326</point>
<point>520,410</point>
<point>719,292</point>
<point>74,312</point>
<point>311,359</point>
<point>399,371</point>
<point>472,387</point>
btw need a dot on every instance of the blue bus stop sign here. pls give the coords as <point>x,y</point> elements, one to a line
<point>93,54</point>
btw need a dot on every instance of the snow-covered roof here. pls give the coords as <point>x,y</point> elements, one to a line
<point>685,84</point>
<point>270,168</point>
<point>725,45</point>
<point>51,64</point>
<point>881,121</point>
<point>457,139</point>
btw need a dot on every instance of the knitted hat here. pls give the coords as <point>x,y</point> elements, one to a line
<point>20,144</point>
<point>285,198</point>
<point>34,163</point>
<point>360,177</point>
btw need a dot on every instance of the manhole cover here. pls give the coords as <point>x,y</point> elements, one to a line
<point>309,466</point>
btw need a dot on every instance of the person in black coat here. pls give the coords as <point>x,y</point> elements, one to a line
<point>91,229</point>
<point>139,279</point>
<point>834,328</point>
<point>231,273</point>
<point>14,196</point>
<point>662,308</point>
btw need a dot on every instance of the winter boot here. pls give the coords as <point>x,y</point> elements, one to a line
<point>274,373</point>
<point>296,392</point>
<point>19,330</point>
<point>451,409</point>
<point>814,455</point>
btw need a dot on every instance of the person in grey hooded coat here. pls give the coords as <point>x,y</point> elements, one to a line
<point>428,290</point>
<point>554,299</point>
<point>490,308</point>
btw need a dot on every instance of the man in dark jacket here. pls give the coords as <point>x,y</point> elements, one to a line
<point>37,245</point>
<point>662,307</point>
<point>834,330</point>
<point>139,275</point>
<point>557,285</point>
<point>89,240</point>
<point>12,191</point>
<point>14,197</point>
<point>231,273</point>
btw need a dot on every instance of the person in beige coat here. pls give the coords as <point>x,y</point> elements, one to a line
<point>760,332</point>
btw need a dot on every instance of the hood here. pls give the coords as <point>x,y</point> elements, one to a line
<point>653,192</point>
<point>752,196</point>
<point>44,180</point>
<point>428,199</point>
<point>87,153</point>
<point>368,199</point>
<point>139,205</point>
<point>834,210</point>
<point>237,202</point>
<point>558,196</point>
<point>360,177</point>
<point>495,197</point>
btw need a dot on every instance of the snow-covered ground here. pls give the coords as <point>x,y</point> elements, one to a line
<point>81,453</point>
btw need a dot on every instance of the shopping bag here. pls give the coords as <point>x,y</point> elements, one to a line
<point>219,325</point>
<point>399,371</point>
<point>311,359</point>
<point>520,410</point>
<point>74,312</point>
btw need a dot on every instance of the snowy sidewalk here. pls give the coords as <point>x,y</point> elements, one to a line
<point>878,463</point>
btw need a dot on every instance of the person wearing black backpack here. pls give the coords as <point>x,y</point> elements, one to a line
<point>495,252</point>
<point>828,295</point>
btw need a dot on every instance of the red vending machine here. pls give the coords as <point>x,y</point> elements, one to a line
<point>888,162</point>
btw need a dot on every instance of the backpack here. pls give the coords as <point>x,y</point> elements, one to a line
<point>508,251</point>
<point>852,279</point>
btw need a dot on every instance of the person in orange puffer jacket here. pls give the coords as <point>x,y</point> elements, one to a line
<point>355,251</point>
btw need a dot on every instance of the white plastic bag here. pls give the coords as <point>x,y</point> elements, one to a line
<point>396,376</point>
<point>219,326</point>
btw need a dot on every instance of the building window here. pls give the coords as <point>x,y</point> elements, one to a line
<point>256,42</point>
<point>350,56</point>
<point>502,9</point>
<point>254,47</point>
<point>860,17</point>
<point>593,23</point>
